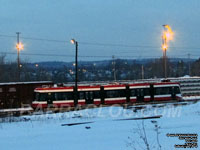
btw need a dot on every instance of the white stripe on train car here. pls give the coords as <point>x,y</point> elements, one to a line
<point>49,91</point>
<point>147,96</point>
<point>158,96</point>
<point>114,88</point>
<point>81,100</point>
<point>133,97</point>
<point>167,85</point>
<point>90,89</point>
<point>97,100</point>
<point>39,102</point>
<point>179,95</point>
<point>63,101</point>
<point>135,87</point>
<point>115,99</point>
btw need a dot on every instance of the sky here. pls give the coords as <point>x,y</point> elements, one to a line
<point>128,29</point>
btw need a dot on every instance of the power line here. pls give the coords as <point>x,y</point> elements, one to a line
<point>97,44</point>
<point>116,45</point>
<point>33,38</point>
<point>61,55</point>
<point>88,56</point>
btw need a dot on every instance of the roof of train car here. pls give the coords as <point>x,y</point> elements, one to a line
<point>98,86</point>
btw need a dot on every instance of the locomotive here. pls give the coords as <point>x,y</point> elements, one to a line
<point>106,94</point>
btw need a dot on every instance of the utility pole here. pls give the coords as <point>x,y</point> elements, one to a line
<point>165,55</point>
<point>166,37</point>
<point>73,41</point>
<point>18,59</point>
<point>189,67</point>
<point>142,71</point>
<point>114,69</point>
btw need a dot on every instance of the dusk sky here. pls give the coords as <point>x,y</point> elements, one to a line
<point>136,24</point>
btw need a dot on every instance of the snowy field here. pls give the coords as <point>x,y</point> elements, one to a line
<point>109,129</point>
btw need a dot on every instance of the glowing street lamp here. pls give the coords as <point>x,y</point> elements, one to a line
<point>73,41</point>
<point>166,37</point>
<point>19,47</point>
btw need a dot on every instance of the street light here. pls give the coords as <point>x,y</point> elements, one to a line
<point>19,47</point>
<point>166,37</point>
<point>73,41</point>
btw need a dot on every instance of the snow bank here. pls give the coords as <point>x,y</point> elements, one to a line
<point>107,132</point>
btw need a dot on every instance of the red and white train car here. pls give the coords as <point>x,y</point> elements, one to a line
<point>107,94</point>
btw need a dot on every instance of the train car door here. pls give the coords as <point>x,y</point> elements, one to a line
<point>140,95</point>
<point>173,93</point>
<point>49,98</point>
<point>89,97</point>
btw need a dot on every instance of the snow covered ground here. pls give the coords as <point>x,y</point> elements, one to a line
<point>107,132</point>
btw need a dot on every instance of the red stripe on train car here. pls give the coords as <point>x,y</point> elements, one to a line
<point>63,104</point>
<point>166,83</point>
<point>89,87</point>
<point>133,100</point>
<point>120,101</point>
<point>147,99</point>
<point>97,102</point>
<point>39,106</point>
<point>81,103</point>
<point>114,86</point>
<point>162,98</point>
<point>55,88</point>
<point>178,98</point>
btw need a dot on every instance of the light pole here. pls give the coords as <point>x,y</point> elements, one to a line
<point>166,37</point>
<point>19,47</point>
<point>73,41</point>
<point>164,47</point>
<point>114,67</point>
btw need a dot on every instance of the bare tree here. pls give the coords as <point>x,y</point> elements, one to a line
<point>141,132</point>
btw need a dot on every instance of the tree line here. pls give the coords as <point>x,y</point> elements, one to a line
<point>118,69</point>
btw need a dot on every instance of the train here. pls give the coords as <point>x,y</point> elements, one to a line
<point>18,94</point>
<point>106,94</point>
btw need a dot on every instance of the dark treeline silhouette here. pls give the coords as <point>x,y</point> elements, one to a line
<point>97,71</point>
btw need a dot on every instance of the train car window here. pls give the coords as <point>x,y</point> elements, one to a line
<point>166,90</point>
<point>141,92</point>
<point>111,94</point>
<point>43,96</point>
<point>1,90</point>
<point>133,92</point>
<point>163,91</point>
<point>97,94</point>
<point>115,93</point>
<point>92,95</point>
<point>157,91</point>
<point>122,93</point>
<point>89,95</point>
<point>146,91</point>
<point>68,95</point>
<point>177,90</point>
<point>64,96</point>
<point>59,96</point>
<point>37,96</point>
<point>81,95</point>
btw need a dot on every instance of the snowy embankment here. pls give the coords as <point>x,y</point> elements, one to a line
<point>105,132</point>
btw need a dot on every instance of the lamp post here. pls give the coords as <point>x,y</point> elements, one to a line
<point>164,47</point>
<point>114,67</point>
<point>166,37</point>
<point>73,41</point>
<point>19,46</point>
